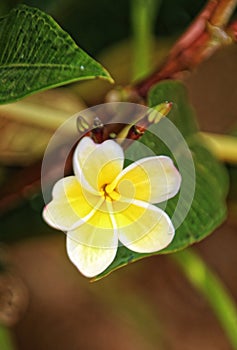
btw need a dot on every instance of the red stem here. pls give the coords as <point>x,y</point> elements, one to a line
<point>195,45</point>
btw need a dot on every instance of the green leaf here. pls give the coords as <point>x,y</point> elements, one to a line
<point>37,54</point>
<point>208,208</point>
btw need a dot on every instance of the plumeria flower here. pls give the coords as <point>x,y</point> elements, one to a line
<point>104,204</point>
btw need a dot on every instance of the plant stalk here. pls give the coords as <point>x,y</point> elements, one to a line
<point>209,285</point>
<point>142,19</point>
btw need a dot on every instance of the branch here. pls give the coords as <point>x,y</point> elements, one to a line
<point>206,35</point>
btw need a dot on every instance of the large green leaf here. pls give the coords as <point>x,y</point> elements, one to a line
<point>208,208</point>
<point>36,54</point>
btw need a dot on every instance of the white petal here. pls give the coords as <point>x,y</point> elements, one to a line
<point>151,179</point>
<point>92,247</point>
<point>97,165</point>
<point>85,147</point>
<point>144,228</point>
<point>71,205</point>
<point>90,261</point>
<point>98,231</point>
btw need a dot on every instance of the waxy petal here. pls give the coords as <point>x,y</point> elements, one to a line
<point>151,179</point>
<point>144,228</point>
<point>97,231</point>
<point>71,206</point>
<point>97,165</point>
<point>92,247</point>
<point>90,261</point>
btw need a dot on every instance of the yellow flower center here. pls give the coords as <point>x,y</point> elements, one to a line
<point>109,193</point>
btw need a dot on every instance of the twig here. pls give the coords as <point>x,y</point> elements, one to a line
<point>205,35</point>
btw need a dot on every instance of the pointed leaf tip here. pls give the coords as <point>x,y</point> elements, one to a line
<point>37,54</point>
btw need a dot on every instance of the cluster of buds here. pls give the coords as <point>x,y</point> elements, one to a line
<point>100,132</point>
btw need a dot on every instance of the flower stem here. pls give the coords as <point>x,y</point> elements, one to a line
<point>142,19</point>
<point>5,339</point>
<point>203,279</point>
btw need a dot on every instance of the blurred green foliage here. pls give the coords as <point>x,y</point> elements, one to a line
<point>174,16</point>
<point>25,221</point>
